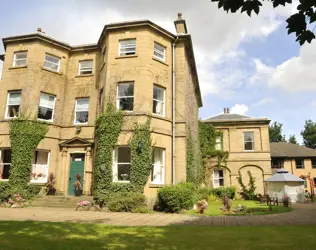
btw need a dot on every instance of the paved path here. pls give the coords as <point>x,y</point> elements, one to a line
<point>304,214</point>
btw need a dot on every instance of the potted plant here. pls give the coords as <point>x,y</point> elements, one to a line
<point>286,201</point>
<point>77,185</point>
<point>51,190</point>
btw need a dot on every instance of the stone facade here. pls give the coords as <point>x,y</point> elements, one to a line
<point>64,138</point>
<point>257,160</point>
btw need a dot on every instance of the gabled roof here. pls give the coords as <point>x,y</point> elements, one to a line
<point>74,142</point>
<point>283,175</point>
<point>290,150</point>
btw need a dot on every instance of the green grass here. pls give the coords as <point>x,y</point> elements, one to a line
<point>256,208</point>
<point>29,235</point>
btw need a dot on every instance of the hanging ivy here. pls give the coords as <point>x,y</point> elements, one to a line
<point>207,136</point>
<point>25,135</point>
<point>107,130</point>
<point>191,171</point>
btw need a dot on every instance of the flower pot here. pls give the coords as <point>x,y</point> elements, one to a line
<point>78,192</point>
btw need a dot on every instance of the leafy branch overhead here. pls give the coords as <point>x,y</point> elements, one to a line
<point>296,23</point>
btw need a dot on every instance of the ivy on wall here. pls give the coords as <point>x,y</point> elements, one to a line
<point>25,135</point>
<point>207,136</point>
<point>191,168</point>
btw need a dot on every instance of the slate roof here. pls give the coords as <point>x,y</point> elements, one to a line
<point>235,118</point>
<point>290,150</point>
<point>228,117</point>
<point>283,176</point>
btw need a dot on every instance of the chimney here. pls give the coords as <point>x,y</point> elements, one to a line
<point>181,27</point>
<point>227,110</point>
<point>39,30</point>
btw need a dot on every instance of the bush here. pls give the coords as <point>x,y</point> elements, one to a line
<point>175,198</point>
<point>212,197</point>
<point>203,194</point>
<point>4,196</point>
<point>220,192</point>
<point>34,189</point>
<point>126,201</point>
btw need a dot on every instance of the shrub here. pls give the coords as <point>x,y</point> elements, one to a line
<point>126,201</point>
<point>220,192</point>
<point>34,189</point>
<point>4,196</point>
<point>203,193</point>
<point>212,197</point>
<point>175,198</point>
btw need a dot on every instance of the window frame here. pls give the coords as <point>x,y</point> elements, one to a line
<point>75,116</point>
<point>279,165</point>
<point>40,119</point>
<point>47,164</point>
<point>163,102</point>
<point>80,70</point>
<point>7,104</point>
<point>3,164</point>
<point>115,164</point>
<point>159,52</point>
<point>219,178</point>
<point>253,141</point>
<point>219,141</point>
<point>313,166</point>
<point>120,97</point>
<point>58,66</point>
<point>302,161</point>
<point>161,167</point>
<point>120,45</point>
<point>14,58</point>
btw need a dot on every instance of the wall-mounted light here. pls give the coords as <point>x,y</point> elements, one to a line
<point>78,129</point>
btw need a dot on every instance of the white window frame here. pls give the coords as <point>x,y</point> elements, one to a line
<point>80,69</point>
<point>120,47</point>
<point>219,143</point>
<point>163,102</point>
<point>7,105</point>
<point>253,141</point>
<point>1,149</point>
<point>161,167</point>
<point>115,164</point>
<point>15,59</point>
<point>163,54</point>
<point>219,178</point>
<point>81,110</point>
<point>46,170</point>
<point>58,65</point>
<point>51,120</point>
<point>120,97</point>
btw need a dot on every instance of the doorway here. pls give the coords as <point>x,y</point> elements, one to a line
<point>76,168</point>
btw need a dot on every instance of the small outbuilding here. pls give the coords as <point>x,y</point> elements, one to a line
<point>282,183</point>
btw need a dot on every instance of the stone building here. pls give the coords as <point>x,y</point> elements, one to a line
<point>140,67</point>
<point>247,141</point>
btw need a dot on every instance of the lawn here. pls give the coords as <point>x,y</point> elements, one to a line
<point>51,236</point>
<point>255,207</point>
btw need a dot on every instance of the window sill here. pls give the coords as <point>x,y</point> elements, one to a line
<point>249,151</point>
<point>52,71</point>
<point>43,120</point>
<point>128,56</point>
<point>152,185</point>
<point>158,116</point>
<point>4,179</point>
<point>18,67</point>
<point>159,60</point>
<point>38,182</point>
<point>87,75</point>
<point>121,181</point>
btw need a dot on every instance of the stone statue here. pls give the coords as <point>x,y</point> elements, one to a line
<point>227,203</point>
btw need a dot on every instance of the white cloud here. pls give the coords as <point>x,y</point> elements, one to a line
<point>313,103</point>
<point>263,101</point>
<point>262,72</point>
<point>240,109</point>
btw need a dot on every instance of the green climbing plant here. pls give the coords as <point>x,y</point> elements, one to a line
<point>248,192</point>
<point>191,169</point>
<point>25,135</point>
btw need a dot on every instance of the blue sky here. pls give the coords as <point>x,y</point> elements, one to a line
<point>248,65</point>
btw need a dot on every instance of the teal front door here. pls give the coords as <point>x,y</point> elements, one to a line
<point>76,167</point>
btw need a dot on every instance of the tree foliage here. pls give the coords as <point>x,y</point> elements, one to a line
<point>309,134</point>
<point>248,192</point>
<point>292,139</point>
<point>297,23</point>
<point>275,132</point>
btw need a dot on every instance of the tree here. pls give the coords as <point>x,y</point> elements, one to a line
<point>292,139</point>
<point>306,13</point>
<point>275,132</point>
<point>309,134</point>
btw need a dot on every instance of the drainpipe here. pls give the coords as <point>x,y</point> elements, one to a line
<point>173,114</point>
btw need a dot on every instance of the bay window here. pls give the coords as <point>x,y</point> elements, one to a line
<point>125,96</point>
<point>46,107</point>
<point>159,101</point>
<point>127,47</point>
<point>52,62</point>
<point>122,164</point>
<point>159,52</point>
<point>20,59</point>
<point>157,172</point>
<point>13,104</point>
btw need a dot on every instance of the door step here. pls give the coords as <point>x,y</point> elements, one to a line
<point>59,201</point>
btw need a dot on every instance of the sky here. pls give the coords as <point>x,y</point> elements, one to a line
<point>249,65</point>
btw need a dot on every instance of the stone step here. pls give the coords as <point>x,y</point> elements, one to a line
<point>59,201</point>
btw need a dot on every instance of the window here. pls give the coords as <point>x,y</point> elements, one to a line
<point>122,164</point>
<point>218,178</point>
<point>218,145</point>
<point>248,141</point>
<point>159,52</point>
<point>46,107</point>
<point>5,163</point>
<point>314,182</point>
<point>52,62</point>
<point>20,59</point>
<point>40,165</point>
<point>277,163</point>
<point>299,163</point>
<point>85,67</point>
<point>157,172</point>
<point>125,96</point>
<point>82,111</point>
<point>159,101</point>
<point>13,104</point>
<point>313,162</point>
<point>127,47</point>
